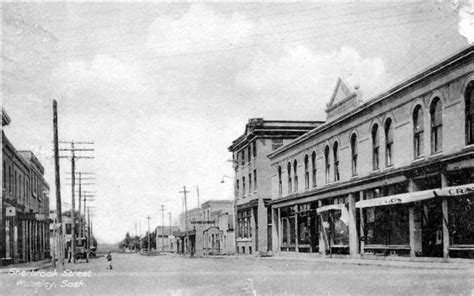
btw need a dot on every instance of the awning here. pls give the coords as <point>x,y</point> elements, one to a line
<point>330,207</point>
<point>417,196</point>
<point>455,190</point>
<point>396,199</point>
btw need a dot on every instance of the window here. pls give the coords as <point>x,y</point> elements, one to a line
<point>254,149</point>
<point>295,166</point>
<point>249,153</point>
<point>336,161</point>
<point>10,179</point>
<point>388,141</point>
<point>469,102</point>
<point>354,154</point>
<point>436,115</point>
<point>327,164</point>
<point>289,178</point>
<point>243,222</point>
<point>243,186</point>
<point>313,163</point>
<point>280,189</point>
<point>306,172</point>
<point>4,176</point>
<point>418,131</point>
<point>250,183</point>
<point>254,180</point>
<point>237,187</point>
<point>243,157</point>
<point>375,147</point>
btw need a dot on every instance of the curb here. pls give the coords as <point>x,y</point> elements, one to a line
<point>399,264</point>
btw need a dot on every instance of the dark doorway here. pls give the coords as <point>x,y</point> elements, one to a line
<point>432,228</point>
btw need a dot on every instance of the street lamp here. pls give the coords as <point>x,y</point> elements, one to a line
<point>225,176</point>
<point>235,208</point>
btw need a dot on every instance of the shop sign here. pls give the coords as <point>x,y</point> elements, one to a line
<point>456,191</point>
<point>10,212</point>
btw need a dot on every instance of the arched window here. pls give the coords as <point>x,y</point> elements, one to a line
<point>243,186</point>
<point>327,164</point>
<point>418,129</point>
<point>388,142</point>
<point>306,171</point>
<point>289,178</point>
<point>469,101</point>
<point>280,187</point>
<point>375,147</point>
<point>436,116</point>
<point>295,166</point>
<point>335,151</point>
<point>354,154</point>
<point>313,163</point>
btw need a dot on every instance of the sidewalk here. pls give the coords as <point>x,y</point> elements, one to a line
<point>29,266</point>
<point>461,265</point>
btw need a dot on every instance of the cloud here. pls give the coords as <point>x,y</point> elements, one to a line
<point>466,20</point>
<point>199,29</point>
<point>308,76</point>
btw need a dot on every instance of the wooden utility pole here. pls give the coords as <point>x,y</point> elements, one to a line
<point>73,158</point>
<point>186,219</point>
<point>162,228</point>
<point>149,245</point>
<point>169,213</point>
<point>197,188</point>
<point>59,242</point>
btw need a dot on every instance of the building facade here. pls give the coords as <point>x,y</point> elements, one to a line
<point>165,239</point>
<point>209,229</point>
<point>253,179</point>
<point>218,235</point>
<point>24,220</point>
<point>392,176</point>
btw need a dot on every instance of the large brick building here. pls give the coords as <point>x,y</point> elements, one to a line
<point>24,218</point>
<point>393,175</point>
<point>253,178</point>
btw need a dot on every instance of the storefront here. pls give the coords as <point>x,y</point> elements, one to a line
<point>429,223</point>
<point>335,228</point>
<point>299,228</point>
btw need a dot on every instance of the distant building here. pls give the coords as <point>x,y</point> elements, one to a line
<point>165,238</point>
<point>209,227</point>
<point>24,219</point>
<point>253,175</point>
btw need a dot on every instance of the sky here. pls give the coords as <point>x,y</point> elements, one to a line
<point>162,89</point>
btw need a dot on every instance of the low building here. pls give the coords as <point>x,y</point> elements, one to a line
<point>211,223</point>
<point>24,219</point>
<point>165,238</point>
<point>390,176</point>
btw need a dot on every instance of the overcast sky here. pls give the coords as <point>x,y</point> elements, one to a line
<point>163,89</point>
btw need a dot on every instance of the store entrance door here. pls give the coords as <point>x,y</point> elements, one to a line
<point>432,228</point>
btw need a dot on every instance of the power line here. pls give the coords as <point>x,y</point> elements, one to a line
<point>252,35</point>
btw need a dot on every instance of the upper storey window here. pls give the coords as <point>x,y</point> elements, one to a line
<point>254,149</point>
<point>388,142</point>
<point>375,147</point>
<point>306,172</point>
<point>327,164</point>
<point>313,164</point>
<point>436,116</point>
<point>295,166</point>
<point>289,178</point>
<point>280,187</point>
<point>469,101</point>
<point>336,161</point>
<point>354,154</point>
<point>418,129</point>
